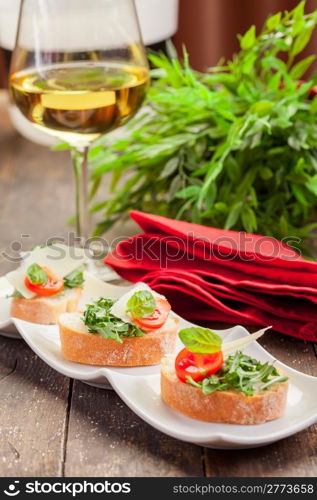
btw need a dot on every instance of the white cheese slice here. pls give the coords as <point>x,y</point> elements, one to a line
<point>95,288</point>
<point>5,287</point>
<point>16,279</point>
<point>120,306</point>
<point>240,344</point>
<point>61,259</point>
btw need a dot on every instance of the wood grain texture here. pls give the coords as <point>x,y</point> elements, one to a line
<point>291,457</point>
<point>37,194</point>
<point>36,197</point>
<point>33,415</point>
<point>2,70</point>
<point>41,434</point>
<point>34,398</point>
<point>105,438</point>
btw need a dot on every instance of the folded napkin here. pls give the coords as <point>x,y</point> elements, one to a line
<point>211,274</point>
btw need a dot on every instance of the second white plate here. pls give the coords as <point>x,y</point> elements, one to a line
<point>140,389</point>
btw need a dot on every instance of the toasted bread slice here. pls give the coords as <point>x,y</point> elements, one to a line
<point>83,347</point>
<point>227,407</point>
<point>45,310</point>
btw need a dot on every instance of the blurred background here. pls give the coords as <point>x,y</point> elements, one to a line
<point>208,29</point>
<point>158,20</point>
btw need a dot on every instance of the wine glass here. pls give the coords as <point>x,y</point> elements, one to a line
<point>78,71</point>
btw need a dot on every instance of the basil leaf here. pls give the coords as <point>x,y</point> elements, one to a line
<point>99,319</point>
<point>36,274</point>
<point>75,278</point>
<point>141,304</point>
<point>202,340</point>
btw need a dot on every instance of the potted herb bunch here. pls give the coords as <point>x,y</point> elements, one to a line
<point>234,148</point>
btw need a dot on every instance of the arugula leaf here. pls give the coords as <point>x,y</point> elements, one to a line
<point>75,278</point>
<point>16,294</point>
<point>36,274</point>
<point>141,304</point>
<point>242,373</point>
<point>99,319</point>
<point>202,340</point>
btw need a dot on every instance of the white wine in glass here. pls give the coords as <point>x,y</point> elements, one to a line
<point>78,71</point>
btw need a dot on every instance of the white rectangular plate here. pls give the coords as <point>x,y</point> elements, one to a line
<point>140,390</point>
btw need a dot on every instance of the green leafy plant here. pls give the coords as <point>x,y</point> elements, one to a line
<point>99,319</point>
<point>233,148</point>
<point>242,373</point>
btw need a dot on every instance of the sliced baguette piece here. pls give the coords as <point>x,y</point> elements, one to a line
<point>227,407</point>
<point>45,310</point>
<point>83,347</point>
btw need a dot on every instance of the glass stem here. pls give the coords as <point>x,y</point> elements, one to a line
<point>80,162</point>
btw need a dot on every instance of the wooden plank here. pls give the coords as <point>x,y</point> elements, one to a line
<point>291,457</point>
<point>106,438</point>
<point>3,70</point>
<point>37,194</point>
<point>33,415</point>
<point>36,204</point>
<point>8,144</point>
<point>34,398</point>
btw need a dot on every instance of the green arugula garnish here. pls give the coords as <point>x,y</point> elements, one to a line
<point>16,294</point>
<point>202,340</point>
<point>75,278</point>
<point>36,274</point>
<point>141,304</point>
<point>99,319</point>
<point>242,373</point>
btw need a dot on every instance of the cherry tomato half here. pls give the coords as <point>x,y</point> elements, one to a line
<point>197,366</point>
<point>52,286</point>
<point>157,319</point>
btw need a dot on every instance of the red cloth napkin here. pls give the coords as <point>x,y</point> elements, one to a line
<point>211,274</point>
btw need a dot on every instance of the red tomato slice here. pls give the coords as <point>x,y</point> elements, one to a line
<point>52,286</point>
<point>155,320</point>
<point>197,366</point>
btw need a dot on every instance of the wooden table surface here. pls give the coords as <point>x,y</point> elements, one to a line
<point>53,426</point>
